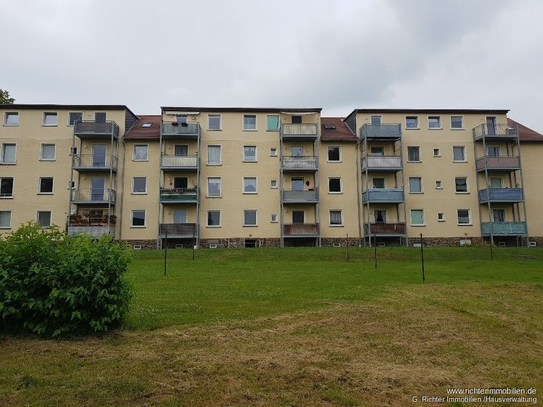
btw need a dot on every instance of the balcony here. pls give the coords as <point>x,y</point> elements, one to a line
<point>383,195</point>
<point>498,131</point>
<point>498,163</point>
<point>180,131</point>
<point>178,195</point>
<point>178,230</point>
<point>381,131</point>
<point>301,230</point>
<point>95,162</point>
<point>503,228</point>
<point>94,231</point>
<point>300,163</point>
<point>94,196</point>
<point>179,163</point>
<point>384,228</point>
<point>300,196</point>
<point>501,195</point>
<point>385,163</point>
<point>299,131</point>
<point>95,130</point>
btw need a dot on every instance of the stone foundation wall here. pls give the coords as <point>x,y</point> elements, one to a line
<point>145,244</point>
<point>445,241</point>
<point>328,242</point>
<point>239,242</point>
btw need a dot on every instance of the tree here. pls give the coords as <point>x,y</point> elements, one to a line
<point>5,99</point>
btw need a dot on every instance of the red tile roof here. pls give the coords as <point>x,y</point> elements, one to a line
<point>525,133</point>
<point>341,132</point>
<point>138,132</point>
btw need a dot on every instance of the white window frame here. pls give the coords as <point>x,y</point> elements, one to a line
<point>134,153</point>
<point>410,117</point>
<point>214,115</point>
<point>144,218</point>
<point>243,186</point>
<point>273,184</point>
<point>70,113</point>
<point>12,187</point>
<point>133,185</point>
<point>438,150</point>
<point>220,188</point>
<point>442,218</point>
<point>457,128</point>
<point>40,192</point>
<point>439,184</point>
<point>54,154</point>
<point>50,218</point>
<point>45,114</point>
<point>243,122</point>
<point>376,147</point>
<point>10,219</point>
<point>273,218</point>
<point>256,218</point>
<point>207,218</point>
<point>245,160</point>
<point>278,122</point>
<point>2,146</point>
<point>411,218</point>
<point>220,154</point>
<point>333,225</point>
<point>439,122</point>
<point>489,146</point>
<point>420,154</point>
<point>376,116</point>
<point>73,183</point>
<point>73,151</point>
<point>421,186</point>
<point>340,186</point>
<point>373,182</point>
<point>458,218</point>
<point>328,154</point>
<point>467,185</point>
<point>496,178</point>
<point>7,114</point>
<point>465,160</point>
<point>273,152</point>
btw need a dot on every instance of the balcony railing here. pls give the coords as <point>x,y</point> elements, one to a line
<point>501,195</point>
<point>180,130</point>
<point>498,130</point>
<point>300,196</point>
<point>382,195</point>
<point>498,163</point>
<point>95,231</point>
<point>179,195</point>
<point>382,163</point>
<point>384,228</point>
<point>298,163</point>
<point>301,230</point>
<point>95,162</point>
<point>179,162</point>
<point>504,228</point>
<point>301,130</point>
<point>381,131</point>
<point>178,230</point>
<point>94,195</point>
<point>96,129</point>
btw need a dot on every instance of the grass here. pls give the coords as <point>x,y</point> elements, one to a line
<point>299,327</point>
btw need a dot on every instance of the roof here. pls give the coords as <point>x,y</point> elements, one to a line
<point>341,132</point>
<point>525,133</point>
<point>242,109</point>
<point>435,111</point>
<point>48,106</point>
<point>145,133</point>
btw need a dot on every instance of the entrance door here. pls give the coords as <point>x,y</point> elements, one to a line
<point>180,182</point>
<point>181,150</point>
<point>179,216</point>
<point>491,125</point>
<point>298,217</point>
<point>99,155</point>
<point>297,184</point>
<point>499,215</point>
<point>380,216</point>
<point>98,190</point>
<point>296,151</point>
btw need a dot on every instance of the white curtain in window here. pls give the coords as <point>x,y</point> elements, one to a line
<point>214,154</point>
<point>249,153</point>
<point>249,185</point>
<point>140,152</point>
<point>214,186</point>
<point>335,217</point>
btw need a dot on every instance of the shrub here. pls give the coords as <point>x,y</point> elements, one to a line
<point>54,284</point>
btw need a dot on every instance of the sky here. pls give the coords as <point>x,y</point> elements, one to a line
<point>338,55</point>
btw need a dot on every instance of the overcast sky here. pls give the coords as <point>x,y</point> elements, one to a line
<point>338,55</point>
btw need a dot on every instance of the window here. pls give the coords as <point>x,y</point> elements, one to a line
<point>139,185</point>
<point>180,182</point>
<point>334,185</point>
<point>249,122</point>
<point>437,152</point>
<point>6,187</point>
<point>415,185</point>
<point>380,216</point>
<point>434,122</point>
<point>5,219</point>
<point>71,185</point>
<point>50,119</point>
<point>213,155</point>
<point>100,117</point>
<point>8,154</point>
<point>417,217</point>
<point>11,119</point>
<point>296,151</point>
<point>498,215</point>
<point>249,153</point>
<point>249,185</point>
<point>378,183</point>
<point>249,217</point>
<point>140,152</point>
<point>214,186</point>
<point>214,218</point>
<point>298,217</point>
<point>181,119</point>
<point>46,185</point>
<point>272,123</point>
<point>146,125</point>
<point>413,154</point>
<point>496,182</point>
<point>273,183</point>
<point>273,218</point>
<point>273,152</point>
<point>48,152</point>
<point>493,151</point>
<point>214,122</point>
<point>138,218</point>
<point>459,154</point>
<point>73,118</point>
<point>439,185</point>
<point>181,150</point>
<point>375,120</point>
<point>296,119</point>
<point>73,150</point>
<point>412,122</point>
<point>441,217</point>
<point>461,184</point>
<point>464,217</point>
<point>334,153</point>
<point>457,122</point>
<point>297,184</point>
<point>336,218</point>
<point>44,218</point>
<point>377,151</point>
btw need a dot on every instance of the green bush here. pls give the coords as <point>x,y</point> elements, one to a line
<point>54,284</point>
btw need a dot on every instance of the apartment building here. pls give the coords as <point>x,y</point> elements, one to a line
<point>255,177</point>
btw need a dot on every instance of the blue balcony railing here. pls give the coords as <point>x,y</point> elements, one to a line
<point>381,131</point>
<point>180,129</point>
<point>501,195</point>
<point>383,195</point>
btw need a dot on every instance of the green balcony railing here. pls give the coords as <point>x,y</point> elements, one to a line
<point>504,228</point>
